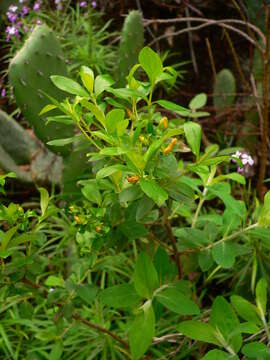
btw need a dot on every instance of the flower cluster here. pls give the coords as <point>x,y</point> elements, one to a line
<point>84,4</point>
<point>15,15</point>
<point>246,162</point>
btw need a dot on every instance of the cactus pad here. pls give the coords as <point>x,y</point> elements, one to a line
<point>132,41</point>
<point>224,89</point>
<point>15,140</point>
<point>29,75</point>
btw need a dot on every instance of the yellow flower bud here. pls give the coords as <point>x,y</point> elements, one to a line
<point>98,228</point>
<point>164,122</point>
<point>77,219</point>
<point>169,148</point>
<point>133,179</point>
<point>142,138</point>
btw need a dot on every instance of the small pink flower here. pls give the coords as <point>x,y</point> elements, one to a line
<point>246,161</point>
<point>83,4</point>
<point>36,6</point>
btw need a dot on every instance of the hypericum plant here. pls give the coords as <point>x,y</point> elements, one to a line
<point>153,181</point>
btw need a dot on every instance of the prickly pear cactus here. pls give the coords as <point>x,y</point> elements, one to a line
<point>132,41</point>
<point>29,75</point>
<point>15,140</point>
<point>8,164</point>
<point>224,89</point>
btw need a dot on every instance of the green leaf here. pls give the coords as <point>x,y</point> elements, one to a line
<point>62,142</point>
<point>236,207</point>
<point>264,216</point>
<point>172,133</point>
<point>57,351</point>
<point>205,259</point>
<point>6,342</point>
<point>153,148</point>
<point>233,176</point>
<point>247,328</point>
<point>112,151</point>
<point>177,302</point>
<point>95,110</point>
<point>225,320</point>
<point>145,276</point>
<point>47,108</point>
<point>121,127</point>
<point>92,193</point>
<point>164,265</point>
<point>55,281</point>
<point>87,292</point>
<point>132,230</point>
<point>256,350</point>
<point>120,296</point>
<point>200,331</point>
<point>44,200</point>
<point>109,170</point>
<point>261,296</point>
<point>102,83</point>
<point>141,333</point>
<point>154,191</point>
<point>193,133</point>
<point>87,77</point>
<point>61,119</point>
<point>124,93</point>
<point>151,63</point>
<point>113,118</point>
<point>198,101</point>
<point>68,85</point>
<point>6,253</point>
<point>136,159</point>
<point>224,255</point>
<point>245,309</point>
<point>218,355</point>
<point>180,110</point>
<point>8,235</point>
<point>130,193</point>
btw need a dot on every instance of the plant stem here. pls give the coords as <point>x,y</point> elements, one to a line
<point>265,325</point>
<point>101,329</point>
<point>202,199</point>
<point>174,244</point>
<point>150,101</point>
<point>230,237</point>
<point>264,125</point>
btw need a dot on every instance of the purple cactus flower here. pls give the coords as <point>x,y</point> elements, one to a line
<point>83,4</point>
<point>94,4</point>
<point>13,9</point>
<point>3,93</point>
<point>25,11</point>
<point>12,31</point>
<point>12,17</point>
<point>37,6</point>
